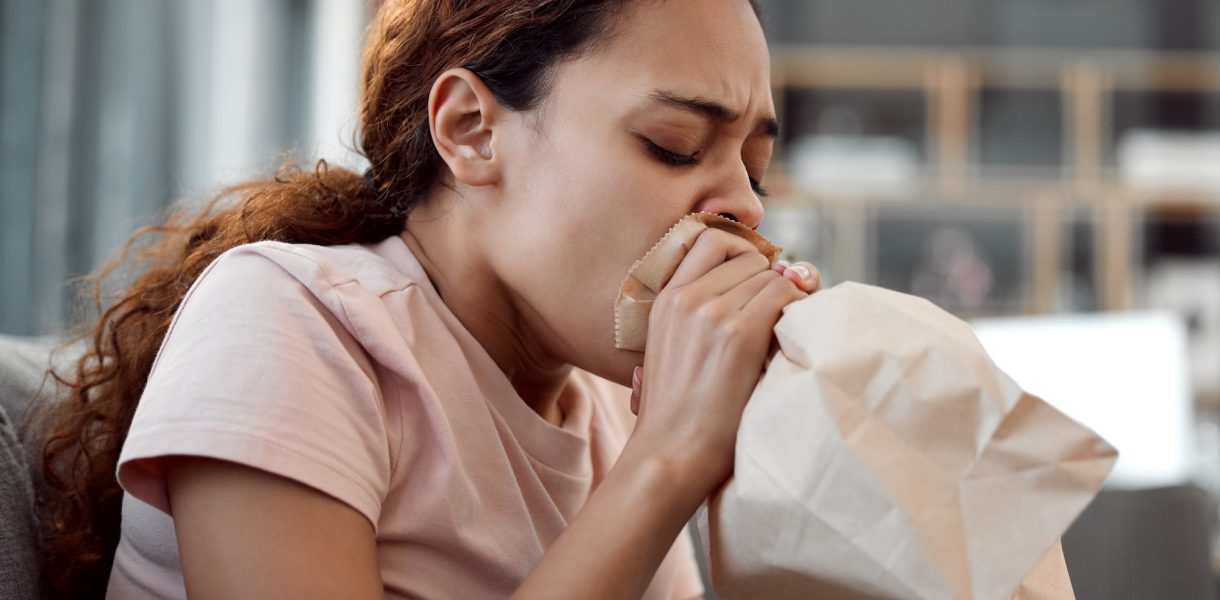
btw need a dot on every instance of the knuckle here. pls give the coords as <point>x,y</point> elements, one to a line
<point>784,290</point>
<point>779,284</point>
<point>710,237</point>
<point>709,314</point>
<point>685,301</point>
<point>679,299</point>
<point>766,278</point>
<point>758,261</point>
<point>720,239</point>
<point>733,330</point>
<point>718,234</point>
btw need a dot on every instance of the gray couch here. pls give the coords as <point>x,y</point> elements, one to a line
<point>23,363</point>
<point>1145,543</point>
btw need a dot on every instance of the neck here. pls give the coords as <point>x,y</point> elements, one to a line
<point>444,241</point>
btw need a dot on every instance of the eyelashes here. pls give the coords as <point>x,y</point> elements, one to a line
<point>670,157</point>
<point>677,159</point>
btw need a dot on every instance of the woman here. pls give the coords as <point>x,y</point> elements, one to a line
<point>367,403</point>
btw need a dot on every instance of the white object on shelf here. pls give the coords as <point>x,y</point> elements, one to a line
<point>1125,375</point>
<point>830,164</point>
<point>1170,160</point>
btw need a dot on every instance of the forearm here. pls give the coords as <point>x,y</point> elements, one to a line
<point>616,542</point>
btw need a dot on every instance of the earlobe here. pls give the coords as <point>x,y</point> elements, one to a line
<point>463,115</point>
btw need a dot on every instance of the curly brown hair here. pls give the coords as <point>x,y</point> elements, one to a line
<point>510,44</point>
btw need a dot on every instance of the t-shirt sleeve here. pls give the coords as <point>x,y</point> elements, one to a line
<point>257,368</point>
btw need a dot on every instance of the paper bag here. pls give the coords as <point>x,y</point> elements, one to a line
<point>883,455</point>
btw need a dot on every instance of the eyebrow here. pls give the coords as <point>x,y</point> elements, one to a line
<point>713,110</point>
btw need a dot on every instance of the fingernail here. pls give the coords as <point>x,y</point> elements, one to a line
<point>636,377</point>
<point>802,272</point>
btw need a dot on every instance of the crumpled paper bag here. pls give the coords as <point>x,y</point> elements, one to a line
<point>883,455</point>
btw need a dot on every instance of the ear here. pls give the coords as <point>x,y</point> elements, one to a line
<point>462,115</point>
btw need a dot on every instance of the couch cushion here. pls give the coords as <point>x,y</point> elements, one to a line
<point>1143,543</point>
<point>18,529</point>
<point>23,365</point>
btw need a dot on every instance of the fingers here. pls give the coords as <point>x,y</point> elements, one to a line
<point>803,274</point>
<point>712,248</point>
<point>729,275</point>
<point>770,301</point>
<point>744,292</point>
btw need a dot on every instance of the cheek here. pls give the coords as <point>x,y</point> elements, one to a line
<point>595,204</point>
<point>565,241</point>
<point>584,214</point>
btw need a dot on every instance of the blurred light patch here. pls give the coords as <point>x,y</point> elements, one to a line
<point>1125,375</point>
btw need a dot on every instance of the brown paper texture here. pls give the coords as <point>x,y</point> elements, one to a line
<point>884,455</point>
<point>653,271</point>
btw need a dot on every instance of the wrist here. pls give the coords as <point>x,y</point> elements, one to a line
<point>683,472</point>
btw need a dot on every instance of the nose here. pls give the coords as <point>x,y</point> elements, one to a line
<point>735,200</point>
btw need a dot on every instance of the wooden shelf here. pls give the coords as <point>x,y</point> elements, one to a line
<point>1083,187</point>
<point>950,83</point>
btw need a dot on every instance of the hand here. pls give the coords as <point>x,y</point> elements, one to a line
<point>709,333</point>
<point>708,338</point>
<point>803,274</point>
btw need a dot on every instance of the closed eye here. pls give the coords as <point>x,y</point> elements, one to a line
<point>678,159</point>
<point>669,156</point>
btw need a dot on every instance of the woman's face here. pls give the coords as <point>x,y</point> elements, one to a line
<point>672,115</point>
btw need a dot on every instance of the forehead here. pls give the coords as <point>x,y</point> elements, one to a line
<point>707,48</point>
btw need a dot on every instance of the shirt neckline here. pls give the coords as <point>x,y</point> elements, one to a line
<point>563,448</point>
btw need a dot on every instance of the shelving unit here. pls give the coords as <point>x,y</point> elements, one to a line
<point>1066,202</point>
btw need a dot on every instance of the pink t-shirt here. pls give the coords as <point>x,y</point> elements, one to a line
<point>341,368</point>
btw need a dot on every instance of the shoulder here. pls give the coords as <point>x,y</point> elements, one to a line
<point>266,278</point>
<point>272,306</point>
<point>317,268</point>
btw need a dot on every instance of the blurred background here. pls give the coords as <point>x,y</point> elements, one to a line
<point>1048,169</point>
